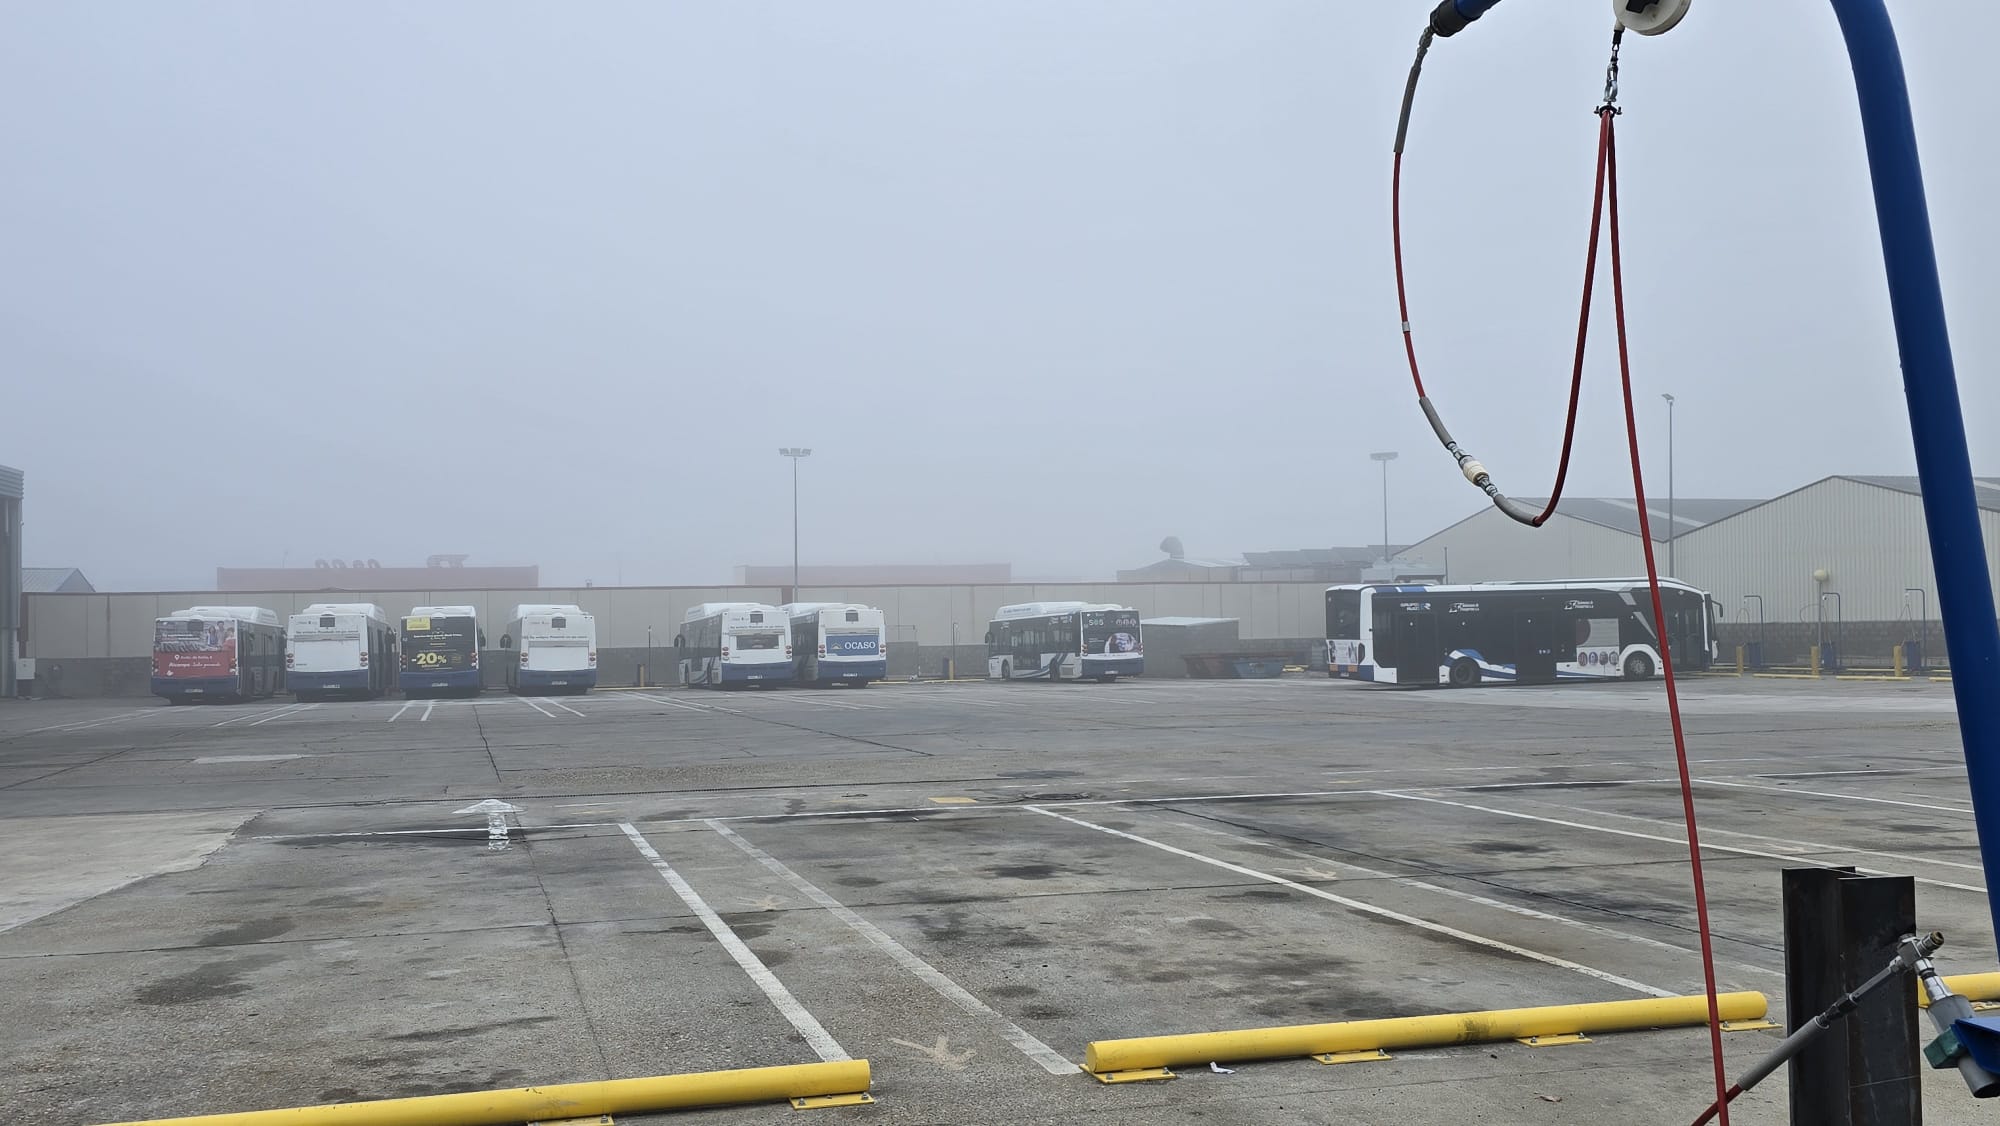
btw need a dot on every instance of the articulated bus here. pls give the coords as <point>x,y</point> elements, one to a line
<point>837,643</point>
<point>1514,632</point>
<point>733,643</point>
<point>340,648</point>
<point>1064,641</point>
<point>440,651</point>
<point>229,653</point>
<point>558,650</point>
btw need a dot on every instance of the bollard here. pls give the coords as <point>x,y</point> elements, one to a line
<point>1897,655</point>
<point>1739,660</point>
<point>1815,660</point>
<point>1839,927</point>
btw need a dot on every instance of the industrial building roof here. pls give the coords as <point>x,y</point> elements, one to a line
<point>1318,556</point>
<point>1621,514</point>
<point>54,580</point>
<point>1987,489</point>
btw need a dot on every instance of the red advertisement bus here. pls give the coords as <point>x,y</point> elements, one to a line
<point>226,653</point>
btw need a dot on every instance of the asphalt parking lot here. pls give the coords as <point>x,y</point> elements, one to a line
<point>229,908</point>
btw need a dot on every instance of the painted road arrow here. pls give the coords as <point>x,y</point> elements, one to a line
<point>496,812</point>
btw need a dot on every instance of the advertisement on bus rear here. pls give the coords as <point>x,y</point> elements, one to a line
<point>438,644</point>
<point>186,649</point>
<point>852,644</point>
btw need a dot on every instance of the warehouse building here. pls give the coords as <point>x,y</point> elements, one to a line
<point>1587,537</point>
<point>11,600</point>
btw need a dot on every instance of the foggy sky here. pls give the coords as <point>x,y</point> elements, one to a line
<point>1040,282</point>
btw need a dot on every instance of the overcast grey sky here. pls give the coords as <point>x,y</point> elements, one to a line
<point>1040,282</point>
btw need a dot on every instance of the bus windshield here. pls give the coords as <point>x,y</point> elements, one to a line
<point>439,643</point>
<point>1111,631</point>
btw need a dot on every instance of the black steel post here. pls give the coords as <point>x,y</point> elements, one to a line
<point>1840,927</point>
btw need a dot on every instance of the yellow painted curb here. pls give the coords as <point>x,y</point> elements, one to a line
<point>1414,1032</point>
<point>568,1100</point>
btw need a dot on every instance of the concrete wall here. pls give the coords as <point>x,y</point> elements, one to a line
<point>924,621</point>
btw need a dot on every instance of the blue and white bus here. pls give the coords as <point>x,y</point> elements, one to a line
<point>230,653</point>
<point>724,644</point>
<point>340,648</point>
<point>837,643</point>
<point>557,649</point>
<point>439,652</point>
<point>1064,641</point>
<point>1514,632</point>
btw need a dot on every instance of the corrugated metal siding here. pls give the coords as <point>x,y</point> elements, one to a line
<point>12,483</point>
<point>1872,542</point>
<point>1490,546</point>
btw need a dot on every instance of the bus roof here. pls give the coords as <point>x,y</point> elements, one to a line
<point>800,609</point>
<point>231,613</point>
<point>443,612</point>
<point>528,609</point>
<point>1520,584</point>
<point>365,609</point>
<point>711,609</point>
<point>1050,609</point>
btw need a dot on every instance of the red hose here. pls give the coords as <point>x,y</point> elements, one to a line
<point>1583,315</point>
<point>1721,1105</point>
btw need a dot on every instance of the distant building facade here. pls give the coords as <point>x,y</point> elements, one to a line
<point>877,574</point>
<point>440,572</point>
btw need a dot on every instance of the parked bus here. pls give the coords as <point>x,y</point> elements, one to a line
<point>440,651</point>
<point>1064,641</point>
<point>837,643</point>
<point>218,653</point>
<point>340,648</point>
<point>727,643</point>
<point>557,649</point>
<point>1514,632</point>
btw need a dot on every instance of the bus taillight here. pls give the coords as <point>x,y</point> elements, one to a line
<point>593,658</point>
<point>822,650</point>
<point>788,651</point>
<point>364,660</point>
<point>524,658</point>
<point>288,660</point>
<point>725,652</point>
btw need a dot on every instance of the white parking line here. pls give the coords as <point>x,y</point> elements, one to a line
<point>407,705</point>
<point>428,705</point>
<point>1371,909</point>
<point>816,1035</point>
<point>82,724</point>
<point>1050,1060</point>
<point>282,715</point>
<point>566,708</point>
<point>1481,900</point>
<point>1681,841</point>
<point>674,703</point>
<point>267,712</point>
<point>1827,794</point>
<point>535,706</point>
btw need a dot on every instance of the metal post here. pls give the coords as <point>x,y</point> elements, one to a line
<point>1937,425</point>
<point>1923,624</point>
<point>1838,927</point>
<point>1672,528</point>
<point>1385,458</point>
<point>646,677</point>
<point>796,453</point>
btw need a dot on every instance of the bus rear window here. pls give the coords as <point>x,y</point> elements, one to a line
<point>761,639</point>
<point>558,623</point>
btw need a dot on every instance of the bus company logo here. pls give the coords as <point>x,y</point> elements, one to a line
<point>1416,605</point>
<point>1464,608</point>
<point>1580,604</point>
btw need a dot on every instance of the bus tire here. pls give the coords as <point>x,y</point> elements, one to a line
<point>1638,666</point>
<point>1464,673</point>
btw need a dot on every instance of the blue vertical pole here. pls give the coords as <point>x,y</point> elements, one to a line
<point>1965,592</point>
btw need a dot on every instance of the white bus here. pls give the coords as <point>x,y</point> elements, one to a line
<point>218,653</point>
<point>727,643</point>
<point>344,648</point>
<point>558,649</point>
<point>1514,632</point>
<point>837,643</point>
<point>1064,641</point>
<point>440,651</point>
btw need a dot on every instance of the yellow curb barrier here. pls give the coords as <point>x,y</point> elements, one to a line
<point>567,1100</point>
<point>1111,1056</point>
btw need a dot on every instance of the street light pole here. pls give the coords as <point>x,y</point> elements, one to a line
<point>1673,529</point>
<point>1385,458</point>
<point>796,453</point>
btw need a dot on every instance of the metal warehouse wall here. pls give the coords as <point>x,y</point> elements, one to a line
<point>1871,540</point>
<point>1490,546</point>
<point>76,626</point>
